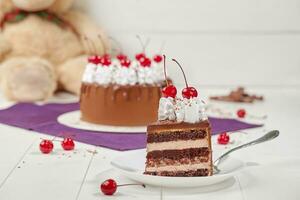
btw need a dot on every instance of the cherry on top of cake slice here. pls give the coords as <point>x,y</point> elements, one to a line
<point>188,108</point>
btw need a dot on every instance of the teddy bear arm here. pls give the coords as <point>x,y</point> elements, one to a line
<point>86,28</point>
<point>70,74</point>
<point>5,47</point>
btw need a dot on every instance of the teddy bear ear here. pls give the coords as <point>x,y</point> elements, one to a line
<point>60,6</point>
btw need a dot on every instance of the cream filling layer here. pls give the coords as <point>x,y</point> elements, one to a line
<point>171,168</point>
<point>176,145</point>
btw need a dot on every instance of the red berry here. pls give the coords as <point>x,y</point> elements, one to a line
<point>46,146</point>
<point>145,62</point>
<point>189,92</point>
<point>68,144</point>
<point>94,59</point>
<point>169,91</point>
<point>109,187</point>
<point>121,57</point>
<point>140,56</point>
<point>241,113</point>
<point>105,61</point>
<point>157,58</point>
<point>125,63</point>
<point>223,138</point>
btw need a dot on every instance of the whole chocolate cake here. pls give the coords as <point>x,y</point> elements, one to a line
<point>120,92</point>
<point>179,143</point>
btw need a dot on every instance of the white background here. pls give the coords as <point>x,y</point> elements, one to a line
<point>220,43</point>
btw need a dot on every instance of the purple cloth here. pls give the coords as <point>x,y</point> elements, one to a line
<point>43,119</point>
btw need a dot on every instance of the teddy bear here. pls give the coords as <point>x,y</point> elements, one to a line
<point>44,45</point>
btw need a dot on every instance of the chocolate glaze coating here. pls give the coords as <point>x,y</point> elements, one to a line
<point>119,105</point>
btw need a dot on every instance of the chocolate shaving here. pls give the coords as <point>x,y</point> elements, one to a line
<point>238,95</point>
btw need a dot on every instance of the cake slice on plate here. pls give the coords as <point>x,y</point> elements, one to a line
<point>179,143</point>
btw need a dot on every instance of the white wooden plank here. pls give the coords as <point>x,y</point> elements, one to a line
<point>195,15</point>
<point>224,60</point>
<point>275,178</point>
<point>55,176</point>
<point>14,145</point>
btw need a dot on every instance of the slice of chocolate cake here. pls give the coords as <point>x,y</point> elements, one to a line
<point>179,149</point>
<point>179,143</point>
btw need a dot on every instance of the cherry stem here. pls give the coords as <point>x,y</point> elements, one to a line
<point>165,71</point>
<point>142,43</point>
<point>162,47</point>
<point>94,49</point>
<point>182,71</point>
<point>102,42</point>
<point>143,185</point>
<point>119,46</point>
<point>90,50</point>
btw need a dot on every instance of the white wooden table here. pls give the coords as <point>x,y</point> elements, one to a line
<point>273,172</point>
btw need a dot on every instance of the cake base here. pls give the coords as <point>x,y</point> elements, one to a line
<point>119,105</point>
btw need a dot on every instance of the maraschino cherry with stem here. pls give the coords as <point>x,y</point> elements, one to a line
<point>94,58</point>
<point>241,113</point>
<point>109,186</point>
<point>68,144</point>
<point>223,138</point>
<point>187,92</point>
<point>120,56</point>
<point>46,146</point>
<point>125,63</point>
<point>158,57</point>
<point>170,90</point>
<point>142,56</point>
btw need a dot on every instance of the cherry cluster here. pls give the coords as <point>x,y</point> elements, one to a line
<point>46,146</point>
<point>171,91</point>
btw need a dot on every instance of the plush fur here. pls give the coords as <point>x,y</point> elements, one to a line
<point>37,56</point>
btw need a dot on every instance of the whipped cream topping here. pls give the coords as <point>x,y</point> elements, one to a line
<point>125,76</point>
<point>103,75</point>
<point>158,72</point>
<point>115,73</point>
<point>166,109</point>
<point>89,72</point>
<point>146,75</point>
<point>182,109</point>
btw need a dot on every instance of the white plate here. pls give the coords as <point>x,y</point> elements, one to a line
<point>132,165</point>
<point>72,119</point>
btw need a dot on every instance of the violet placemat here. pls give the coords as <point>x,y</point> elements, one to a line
<point>43,119</point>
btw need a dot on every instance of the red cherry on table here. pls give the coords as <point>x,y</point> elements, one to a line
<point>157,58</point>
<point>241,113</point>
<point>169,91</point>
<point>145,62</point>
<point>46,146</point>
<point>68,144</point>
<point>189,92</point>
<point>109,187</point>
<point>140,56</point>
<point>94,59</point>
<point>223,138</point>
<point>121,57</point>
<point>125,62</point>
